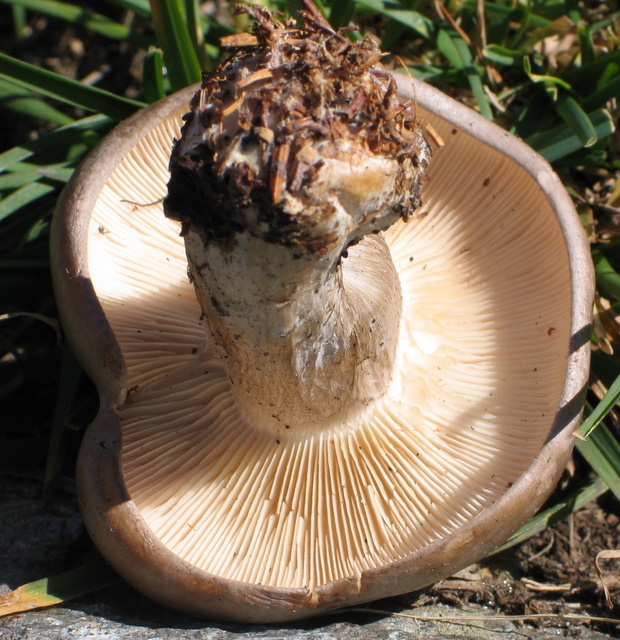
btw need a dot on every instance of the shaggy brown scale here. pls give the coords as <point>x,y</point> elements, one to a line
<point>289,100</point>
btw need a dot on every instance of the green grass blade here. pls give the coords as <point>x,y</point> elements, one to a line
<point>502,55</point>
<point>561,141</point>
<point>588,79</point>
<point>577,119</point>
<point>20,176</point>
<point>60,172</point>
<point>67,90</point>
<point>560,27</point>
<point>77,15</point>
<point>601,410</point>
<point>20,22</point>
<point>586,45</point>
<point>447,47</point>
<point>54,590</point>
<point>194,29</point>
<point>412,19</point>
<point>22,197</point>
<point>153,76</point>
<point>22,101</point>
<point>606,92</point>
<point>456,50</point>
<point>341,13</point>
<point>141,7</point>
<point>607,278</point>
<point>551,83</point>
<point>602,451</point>
<point>70,376</point>
<point>557,512</point>
<point>16,232</point>
<point>16,180</point>
<point>173,37</point>
<point>60,139</point>
<point>495,11</point>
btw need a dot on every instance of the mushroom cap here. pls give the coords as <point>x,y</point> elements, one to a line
<point>208,515</point>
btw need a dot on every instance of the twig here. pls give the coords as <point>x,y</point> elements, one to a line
<point>51,322</point>
<point>543,551</point>
<point>481,30</point>
<point>448,17</point>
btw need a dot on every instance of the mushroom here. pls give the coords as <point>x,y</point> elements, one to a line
<point>342,402</point>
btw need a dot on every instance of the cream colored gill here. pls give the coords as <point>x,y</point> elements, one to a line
<point>481,365</point>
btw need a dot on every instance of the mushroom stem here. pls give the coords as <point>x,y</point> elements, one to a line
<point>296,155</point>
<point>308,341</point>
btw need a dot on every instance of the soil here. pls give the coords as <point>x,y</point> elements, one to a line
<point>551,573</point>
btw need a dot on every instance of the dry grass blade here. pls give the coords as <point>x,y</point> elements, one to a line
<point>533,585</point>
<point>609,554</point>
<point>53,323</point>
<point>54,590</point>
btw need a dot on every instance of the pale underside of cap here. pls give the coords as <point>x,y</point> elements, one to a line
<point>480,369</point>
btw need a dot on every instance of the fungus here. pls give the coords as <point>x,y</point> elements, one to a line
<point>353,397</point>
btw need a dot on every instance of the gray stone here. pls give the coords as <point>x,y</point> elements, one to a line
<point>40,538</point>
<point>111,621</point>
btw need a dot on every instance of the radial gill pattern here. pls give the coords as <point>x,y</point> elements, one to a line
<point>481,366</point>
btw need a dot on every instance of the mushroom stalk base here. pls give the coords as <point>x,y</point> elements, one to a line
<point>308,340</point>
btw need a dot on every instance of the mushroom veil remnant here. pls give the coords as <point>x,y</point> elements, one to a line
<point>367,381</point>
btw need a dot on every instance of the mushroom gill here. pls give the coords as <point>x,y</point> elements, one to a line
<point>481,362</point>
<point>473,386</point>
